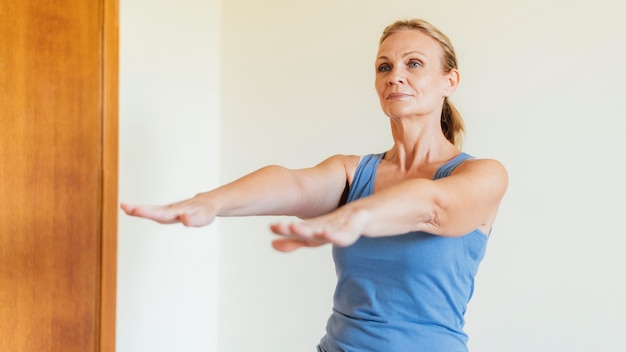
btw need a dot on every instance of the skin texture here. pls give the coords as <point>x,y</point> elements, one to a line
<point>411,87</point>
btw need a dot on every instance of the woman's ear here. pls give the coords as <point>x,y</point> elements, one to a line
<point>453,78</point>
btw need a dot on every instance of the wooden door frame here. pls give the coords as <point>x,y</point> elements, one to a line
<point>110,92</point>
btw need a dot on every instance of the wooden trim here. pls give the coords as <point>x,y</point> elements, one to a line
<point>108,277</point>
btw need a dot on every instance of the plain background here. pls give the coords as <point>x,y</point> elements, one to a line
<point>212,90</point>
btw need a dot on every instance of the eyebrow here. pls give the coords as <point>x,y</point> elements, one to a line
<point>403,55</point>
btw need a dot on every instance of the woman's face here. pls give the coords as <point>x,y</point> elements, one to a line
<point>410,80</point>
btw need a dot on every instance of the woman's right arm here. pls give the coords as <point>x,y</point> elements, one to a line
<point>271,190</point>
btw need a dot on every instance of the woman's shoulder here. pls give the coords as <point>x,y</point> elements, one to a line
<point>487,168</point>
<point>343,159</point>
<point>472,162</point>
<point>349,162</point>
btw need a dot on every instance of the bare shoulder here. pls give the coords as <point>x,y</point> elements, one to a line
<point>347,162</point>
<point>481,164</point>
<point>488,172</point>
<point>344,158</point>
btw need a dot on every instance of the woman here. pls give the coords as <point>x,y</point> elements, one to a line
<point>408,226</point>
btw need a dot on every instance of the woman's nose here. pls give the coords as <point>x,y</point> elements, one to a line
<point>396,76</point>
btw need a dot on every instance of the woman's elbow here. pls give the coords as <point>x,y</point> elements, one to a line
<point>444,222</point>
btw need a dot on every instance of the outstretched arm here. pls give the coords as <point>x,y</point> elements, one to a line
<point>451,206</point>
<point>272,190</point>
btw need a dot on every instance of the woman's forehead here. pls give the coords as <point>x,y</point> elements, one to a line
<point>407,41</point>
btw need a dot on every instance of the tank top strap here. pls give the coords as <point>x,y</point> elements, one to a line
<point>446,169</point>
<point>364,176</point>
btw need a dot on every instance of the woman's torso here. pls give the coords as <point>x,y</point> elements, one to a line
<point>406,292</point>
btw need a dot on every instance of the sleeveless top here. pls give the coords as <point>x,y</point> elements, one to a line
<point>402,293</point>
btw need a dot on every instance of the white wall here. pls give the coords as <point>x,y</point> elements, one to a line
<point>169,141</point>
<point>542,90</point>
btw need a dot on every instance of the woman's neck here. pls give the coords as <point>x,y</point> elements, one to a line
<point>417,144</point>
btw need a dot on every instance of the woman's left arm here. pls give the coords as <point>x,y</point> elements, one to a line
<point>452,206</point>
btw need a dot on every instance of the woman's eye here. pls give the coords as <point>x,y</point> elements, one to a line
<point>384,68</point>
<point>415,64</point>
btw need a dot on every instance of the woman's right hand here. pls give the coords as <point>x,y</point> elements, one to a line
<point>193,212</point>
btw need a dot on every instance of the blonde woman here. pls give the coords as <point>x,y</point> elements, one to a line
<point>409,226</point>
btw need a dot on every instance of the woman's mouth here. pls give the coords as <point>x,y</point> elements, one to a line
<point>394,96</point>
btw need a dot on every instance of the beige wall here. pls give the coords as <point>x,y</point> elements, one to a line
<point>169,109</point>
<point>542,90</point>
<point>291,82</point>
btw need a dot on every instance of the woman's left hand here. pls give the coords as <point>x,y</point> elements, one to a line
<point>341,227</point>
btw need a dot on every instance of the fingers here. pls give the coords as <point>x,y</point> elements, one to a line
<point>311,232</point>
<point>297,231</point>
<point>127,208</point>
<point>289,244</point>
<point>295,236</point>
<point>187,215</point>
<point>159,214</point>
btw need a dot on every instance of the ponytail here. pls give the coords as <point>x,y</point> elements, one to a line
<point>451,123</point>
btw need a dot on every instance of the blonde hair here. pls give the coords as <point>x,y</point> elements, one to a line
<point>451,120</point>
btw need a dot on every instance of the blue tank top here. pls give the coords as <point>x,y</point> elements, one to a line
<point>402,293</point>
